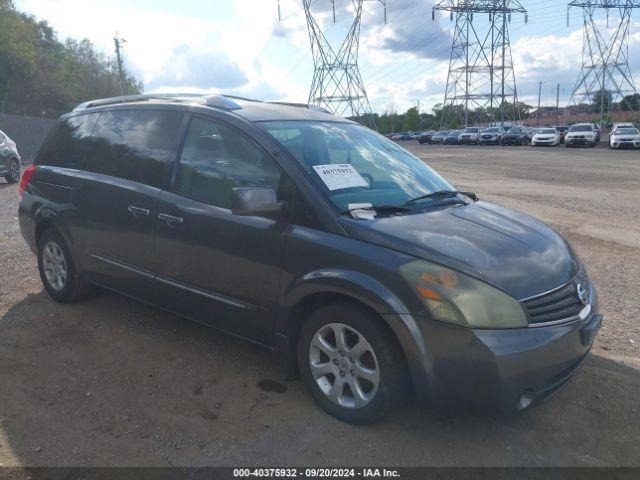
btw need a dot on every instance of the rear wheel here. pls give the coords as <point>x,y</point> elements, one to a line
<point>13,175</point>
<point>352,368</point>
<point>57,270</point>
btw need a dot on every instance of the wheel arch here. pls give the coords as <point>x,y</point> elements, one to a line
<point>362,292</point>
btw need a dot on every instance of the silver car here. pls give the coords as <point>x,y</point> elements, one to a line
<point>10,162</point>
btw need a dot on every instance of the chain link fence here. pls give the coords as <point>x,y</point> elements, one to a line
<point>27,131</point>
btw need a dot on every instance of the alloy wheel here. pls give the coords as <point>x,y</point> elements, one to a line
<point>14,170</point>
<point>344,366</point>
<point>55,266</point>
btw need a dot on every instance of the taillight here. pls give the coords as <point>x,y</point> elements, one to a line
<point>26,178</point>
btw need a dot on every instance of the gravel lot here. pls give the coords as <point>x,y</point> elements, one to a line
<point>113,382</point>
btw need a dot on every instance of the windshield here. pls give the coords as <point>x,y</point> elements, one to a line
<point>547,131</point>
<point>354,165</point>
<point>471,130</point>
<point>581,128</point>
<point>516,130</point>
<point>493,130</point>
<point>626,131</point>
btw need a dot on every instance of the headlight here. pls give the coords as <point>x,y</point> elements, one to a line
<point>457,298</point>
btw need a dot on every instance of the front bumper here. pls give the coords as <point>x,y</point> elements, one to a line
<point>579,141</point>
<point>504,370</point>
<point>489,141</point>
<point>512,141</point>
<point>625,144</point>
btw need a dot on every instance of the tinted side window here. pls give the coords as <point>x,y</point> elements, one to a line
<point>69,142</point>
<point>216,159</point>
<point>134,144</point>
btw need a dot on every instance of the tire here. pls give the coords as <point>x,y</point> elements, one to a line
<point>57,270</point>
<point>13,176</point>
<point>380,361</point>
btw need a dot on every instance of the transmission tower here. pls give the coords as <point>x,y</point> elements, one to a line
<point>605,73</point>
<point>337,84</point>
<point>481,84</point>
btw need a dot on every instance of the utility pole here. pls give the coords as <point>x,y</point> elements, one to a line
<point>118,43</point>
<point>539,100</point>
<point>558,104</point>
<point>481,83</point>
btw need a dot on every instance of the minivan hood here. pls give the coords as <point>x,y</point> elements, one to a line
<point>505,248</point>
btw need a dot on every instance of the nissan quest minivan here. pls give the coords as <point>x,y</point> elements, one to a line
<point>314,236</point>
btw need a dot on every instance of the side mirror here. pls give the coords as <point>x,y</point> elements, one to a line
<point>253,201</point>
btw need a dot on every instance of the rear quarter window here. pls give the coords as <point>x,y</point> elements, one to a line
<point>69,142</point>
<point>134,144</point>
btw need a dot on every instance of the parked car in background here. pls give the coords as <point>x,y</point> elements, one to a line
<point>546,136</point>
<point>451,138</point>
<point>515,136</point>
<point>372,275</point>
<point>10,161</point>
<point>491,136</point>
<point>531,131</point>
<point>469,135</point>
<point>438,137</point>
<point>598,130</point>
<point>625,137</point>
<point>562,130</point>
<point>581,134</point>
<point>425,137</point>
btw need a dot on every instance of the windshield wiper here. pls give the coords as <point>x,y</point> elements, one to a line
<point>441,194</point>
<point>378,209</point>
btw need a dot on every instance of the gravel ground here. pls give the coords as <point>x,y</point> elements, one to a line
<point>113,382</point>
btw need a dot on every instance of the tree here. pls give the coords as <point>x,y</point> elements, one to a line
<point>40,73</point>
<point>602,98</point>
<point>631,103</point>
<point>412,120</point>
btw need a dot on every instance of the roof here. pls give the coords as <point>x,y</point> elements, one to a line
<point>252,110</point>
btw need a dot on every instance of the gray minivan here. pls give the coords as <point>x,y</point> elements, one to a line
<point>314,236</point>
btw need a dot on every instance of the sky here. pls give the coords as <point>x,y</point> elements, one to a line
<point>241,47</point>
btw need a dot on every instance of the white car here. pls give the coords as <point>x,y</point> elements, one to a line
<point>469,136</point>
<point>625,137</point>
<point>622,125</point>
<point>581,134</point>
<point>546,136</point>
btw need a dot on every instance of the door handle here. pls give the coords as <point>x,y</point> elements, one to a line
<point>138,212</point>
<point>170,219</point>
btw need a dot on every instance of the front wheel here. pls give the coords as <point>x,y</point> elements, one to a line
<point>350,364</point>
<point>13,175</point>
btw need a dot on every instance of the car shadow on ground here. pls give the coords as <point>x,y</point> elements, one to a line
<point>112,382</point>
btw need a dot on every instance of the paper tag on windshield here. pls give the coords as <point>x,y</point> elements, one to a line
<point>362,211</point>
<point>338,177</point>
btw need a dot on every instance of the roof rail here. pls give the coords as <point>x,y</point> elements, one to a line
<point>135,98</point>
<point>215,101</point>
<point>302,105</point>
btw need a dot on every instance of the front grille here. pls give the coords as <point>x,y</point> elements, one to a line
<point>561,304</point>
